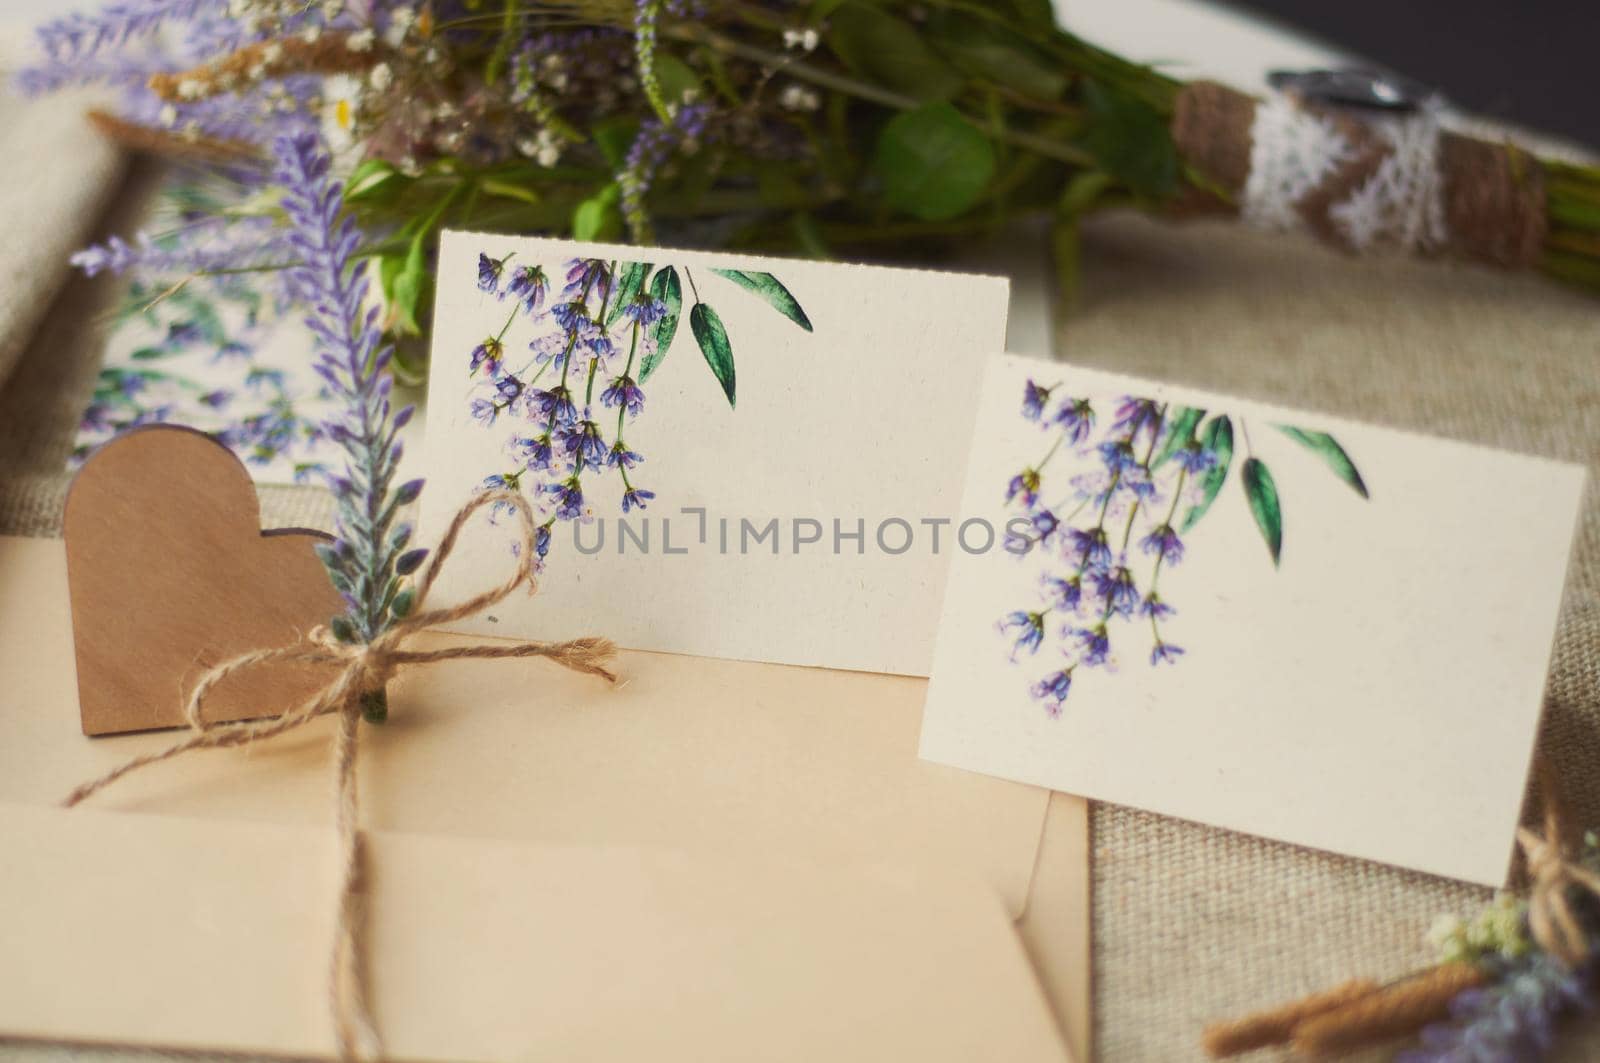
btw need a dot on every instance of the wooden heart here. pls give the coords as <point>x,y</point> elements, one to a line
<point>170,575</point>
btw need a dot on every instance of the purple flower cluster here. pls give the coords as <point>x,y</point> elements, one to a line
<point>1111,526</point>
<point>1511,1020</point>
<point>595,334</point>
<point>369,557</point>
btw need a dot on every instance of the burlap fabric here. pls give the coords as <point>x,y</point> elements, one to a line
<point>1190,923</point>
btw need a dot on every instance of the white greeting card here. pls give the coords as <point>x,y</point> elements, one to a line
<point>729,456</point>
<point>1273,621</point>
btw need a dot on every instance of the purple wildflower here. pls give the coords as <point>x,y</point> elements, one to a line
<point>569,498</point>
<point>1512,1019</point>
<point>1154,608</point>
<point>534,451</point>
<point>635,498</point>
<point>554,407</point>
<point>644,311</point>
<point>1064,594</point>
<point>1117,589</point>
<point>1088,548</point>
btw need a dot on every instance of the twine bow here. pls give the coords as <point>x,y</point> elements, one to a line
<point>367,667</point>
<point>1554,874</point>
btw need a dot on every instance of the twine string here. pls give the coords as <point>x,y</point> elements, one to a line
<point>1554,874</point>
<point>365,667</point>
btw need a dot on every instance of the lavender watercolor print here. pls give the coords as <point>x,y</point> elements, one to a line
<point>1119,487</point>
<point>602,327</point>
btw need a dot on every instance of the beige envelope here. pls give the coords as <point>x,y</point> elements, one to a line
<point>210,935</point>
<point>724,758</point>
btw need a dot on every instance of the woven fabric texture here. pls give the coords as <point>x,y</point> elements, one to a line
<point>1190,923</point>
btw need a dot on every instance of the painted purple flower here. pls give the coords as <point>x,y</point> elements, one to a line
<point>1094,644</point>
<point>1165,651</point>
<point>552,347</point>
<point>635,498</point>
<point>1034,398</point>
<point>1135,416</point>
<point>528,284</point>
<point>486,355</point>
<point>625,393</point>
<point>1025,629</point>
<point>1064,594</point>
<point>587,276</point>
<point>1154,608</point>
<point>1163,541</point>
<point>619,455</point>
<point>569,498</point>
<point>489,270</point>
<point>571,316</point>
<point>1024,485</point>
<point>1045,523</point>
<point>553,406</point>
<point>644,311</point>
<point>541,540</point>
<point>1118,456</point>
<point>1117,590</point>
<point>483,410</point>
<point>1053,690</point>
<point>534,451</point>
<point>1194,458</point>
<point>1076,419</point>
<point>1088,548</point>
<point>582,440</point>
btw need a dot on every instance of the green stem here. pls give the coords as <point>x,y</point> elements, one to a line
<point>502,49</point>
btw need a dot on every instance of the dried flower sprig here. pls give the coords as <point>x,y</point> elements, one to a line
<point>368,560</point>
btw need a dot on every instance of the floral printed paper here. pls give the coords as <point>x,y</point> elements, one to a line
<point>1315,630</point>
<point>729,456</point>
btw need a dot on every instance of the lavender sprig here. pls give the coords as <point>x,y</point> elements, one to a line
<point>1510,1021</point>
<point>369,558</point>
<point>79,36</point>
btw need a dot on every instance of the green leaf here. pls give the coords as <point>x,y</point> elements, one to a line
<point>598,217</point>
<point>933,163</point>
<point>633,277</point>
<point>1263,496</point>
<point>986,49</point>
<point>146,354</point>
<point>401,606</point>
<point>890,51</point>
<point>1217,437</point>
<point>666,287</point>
<point>371,179</point>
<point>713,341</point>
<point>409,288</point>
<point>1328,449</point>
<point>614,136</point>
<point>770,289</point>
<point>677,78</point>
<point>1131,141</point>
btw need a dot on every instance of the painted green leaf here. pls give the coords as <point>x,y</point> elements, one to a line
<point>666,287</point>
<point>934,164</point>
<point>633,278</point>
<point>1328,449</point>
<point>1263,496</point>
<point>890,51</point>
<point>1216,437</point>
<point>770,289</point>
<point>1183,422</point>
<point>713,341</point>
